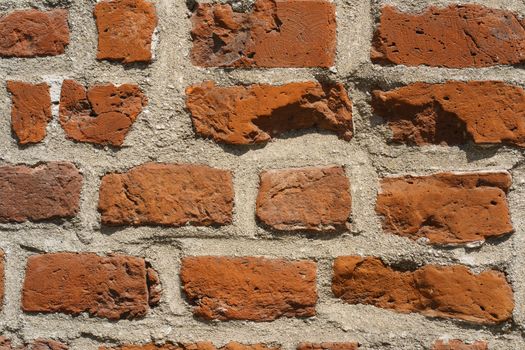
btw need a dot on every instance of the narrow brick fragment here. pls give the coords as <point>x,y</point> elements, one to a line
<point>102,115</point>
<point>167,194</point>
<point>125,30</point>
<point>2,278</point>
<point>434,291</point>
<point>30,110</point>
<point>328,346</point>
<point>113,287</point>
<point>38,344</point>
<point>257,113</point>
<point>46,191</point>
<point>249,288</point>
<point>459,345</point>
<point>195,346</point>
<point>446,208</point>
<point>276,33</point>
<point>453,113</point>
<point>457,36</point>
<point>313,199</point>
<point>31,33</point>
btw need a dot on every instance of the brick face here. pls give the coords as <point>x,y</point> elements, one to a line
<point>328,346</point>
<point>446,208</point>
<point>113,287</point>
<point>38,344</point>
<point>195,346</point>
<point>434,291</point>
<point>30,110</point>
<point>125,30</point>
<point>313,199</point>
<point>457,36</point>
<point>249,288</point>
<point>257,113</point>
<point>267,36</point>
<point>453,113</point>
<point>46,191</point>
<point>102,114</point>
<point>32,33</point>
<point>455,344</point>
<point>167,194</point>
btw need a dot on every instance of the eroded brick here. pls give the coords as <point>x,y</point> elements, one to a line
<point>31,33</point>
<point>434,291</point>
<point>113,287</point>
<point>46,191</point>
<point>276,33</point>
<point>456,36</point>
<point>194,346</point>
<point>102,115</point>
<point>313,199</point>
<point>455,344</point>
<point>328,346</point>
<point>30,110</point>
<point>249,288</point>
<point>453,113</point>
<point>257,113</point>
<point>125,30</point>
<point>167,194</point>
<point>446,208</point>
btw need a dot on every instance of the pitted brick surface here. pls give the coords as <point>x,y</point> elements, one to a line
<point>457,36</point>
<point>257,113</point>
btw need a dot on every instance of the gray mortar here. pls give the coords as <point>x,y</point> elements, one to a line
<point>163,133</point>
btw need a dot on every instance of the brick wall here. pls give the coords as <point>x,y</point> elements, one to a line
<point>290,174</point>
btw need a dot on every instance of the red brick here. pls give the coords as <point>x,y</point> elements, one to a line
<point>125,30</point>
<point>446,208</point>
<point>328,346</point>
<point>102,115</point>
<point>434,291</point>
<point>457,36</point>
<point>249,288</point>
<point>313,199</point>
<point>113,287</point>
<point>167,194</point>
<point>30,110</point>
<point>2,278</point>
<point>38,344</point>
<point>459,345</point>
<point>257,113</point>
<point>195,346</point>
<point>46,191</point>
<point>453,113</point>
<point>31,33</point>
<point>276,33</point>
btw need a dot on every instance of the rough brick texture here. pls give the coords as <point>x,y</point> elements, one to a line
<point>103,114</point>
<point>38,344</point>
<point>125,30</point>
<point>268,36</point>
<point>328,346</point>
<point>257,113</point>
<point>434,291</point>
<point>31,33</point>
<point>167,194</point>
<point>195,346</point>
<point>30,110</point>
<point>457,36</point>
<point>446,208</point>
<point>453,113</point>
<point>459,345</point>
<point>249,288</point>
<point>114,287</point>
<point>313,199</point>
<point>46,191</point>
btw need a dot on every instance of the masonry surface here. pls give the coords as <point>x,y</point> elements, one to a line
<point>262,175</point>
